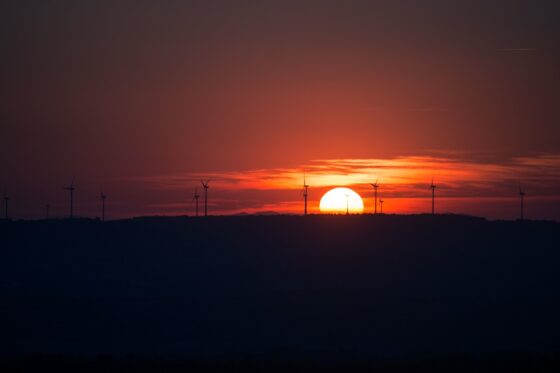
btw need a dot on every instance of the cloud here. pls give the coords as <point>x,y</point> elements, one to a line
<point>461,178</point>
<point>517,50</point>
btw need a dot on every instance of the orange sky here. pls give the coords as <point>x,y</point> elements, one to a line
<point>142,98</point>
<point>464,185</point>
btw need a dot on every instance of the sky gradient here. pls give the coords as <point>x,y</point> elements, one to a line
<point>143,98</point>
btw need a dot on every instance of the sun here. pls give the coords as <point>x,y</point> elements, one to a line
<point>341,201</point>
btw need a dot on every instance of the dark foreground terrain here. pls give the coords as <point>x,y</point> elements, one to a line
<point>396,293</point>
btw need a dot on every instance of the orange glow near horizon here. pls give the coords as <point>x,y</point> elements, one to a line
<point>464,185</point>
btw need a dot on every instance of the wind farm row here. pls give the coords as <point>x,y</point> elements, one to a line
<point>378,202</point>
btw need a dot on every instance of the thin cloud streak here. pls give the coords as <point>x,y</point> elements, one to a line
<point>517,50</point>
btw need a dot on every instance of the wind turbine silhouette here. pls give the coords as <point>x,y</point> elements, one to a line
<point>433,187</point>
<point>381,206</point>
<point>205,186</point>
<point>71,189</point>
<point>305,192</point>
<point>196,197</point>
<point>103,198</point>
<point>521,200</point>
<point>347,209</point>
<point>375,186</point>
<point>6,200</point>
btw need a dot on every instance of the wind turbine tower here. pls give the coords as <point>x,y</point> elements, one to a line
<point>205,186</point>
<point>347,209</point>
<point>375,186</point>
<point>103,198</point>
<point>433,187</point>
<point>305,190</point>
<point>381,206</point>
<point>522,201</point>
<point>71,189</point>
<point>196,197</point>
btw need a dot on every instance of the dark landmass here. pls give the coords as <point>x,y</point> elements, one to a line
<point>394,293</point>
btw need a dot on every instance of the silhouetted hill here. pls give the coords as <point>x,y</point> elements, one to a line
<point>317,288</point>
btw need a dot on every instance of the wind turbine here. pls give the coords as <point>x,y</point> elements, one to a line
<point>103,198</point>
<point>205,186</point>
<point>521,200</point>
<point>196,197</point>
<point>381,206</point>
<point>6,199</point>
<point>375,186</point>
<point>347,209</point>
<point>305,190</point>
<point>433,187</point>
<point>71,189</point>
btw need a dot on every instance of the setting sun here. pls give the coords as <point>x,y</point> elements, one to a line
<point>341,201</point>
